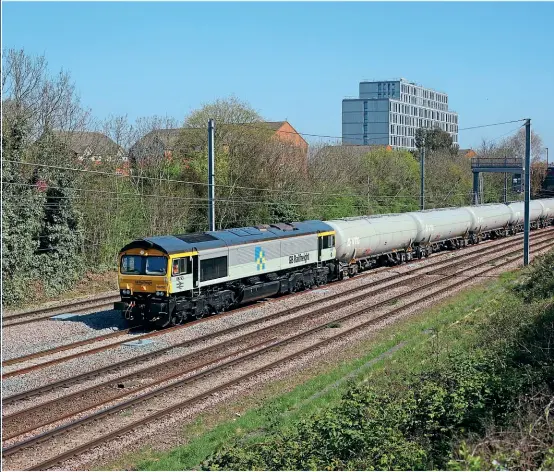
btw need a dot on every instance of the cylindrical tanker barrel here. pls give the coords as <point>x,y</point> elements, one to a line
<point>489,217</point>
<point>440,224</point>
<point>536,210</point>
<point>548,205</point>
<point>366,236</point>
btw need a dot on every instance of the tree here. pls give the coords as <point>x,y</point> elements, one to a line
<point>42,101</point>
<point>392,180</point>
<point>434,139</point>
<point>35,103</point>
<point>60,251</point>
<point>22,213</point>
<point>514,146</point>
<point>246,158</point>
<point>229,110</point>
<point>448,179</point>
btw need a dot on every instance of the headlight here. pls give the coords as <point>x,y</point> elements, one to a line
<point>126,292</point>
<point>160,294</point>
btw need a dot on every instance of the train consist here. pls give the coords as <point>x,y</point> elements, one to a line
<point>167,280</point>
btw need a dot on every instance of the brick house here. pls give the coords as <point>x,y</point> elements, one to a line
<point>93,147</point>
<point>469,153</point>
<point>162,143</point>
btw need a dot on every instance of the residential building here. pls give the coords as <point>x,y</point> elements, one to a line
<point>469,153</point>
<point>287,134</point>
<point>389,113</point>
<point>91,146</point>
<point>163,142</point>
<point>158,143</point>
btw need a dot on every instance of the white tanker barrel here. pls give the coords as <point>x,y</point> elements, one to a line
<point>548,205</point>
<point>536,209</point>
<point>441,224</point>
<point>489,217</point>
<point>361,237</point>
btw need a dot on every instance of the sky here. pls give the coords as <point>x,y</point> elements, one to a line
<point>296,61</point>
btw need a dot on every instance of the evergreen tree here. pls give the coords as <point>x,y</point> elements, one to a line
<point>22,213</point>
<point>61,230</point>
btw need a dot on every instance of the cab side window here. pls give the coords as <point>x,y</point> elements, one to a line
<point>181,266</point>
<point>327,242</point>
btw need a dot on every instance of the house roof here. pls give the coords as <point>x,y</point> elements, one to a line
<point>166,139</point>
<point>98,143</point>
<point>467,152</point>
<point>274,125</point>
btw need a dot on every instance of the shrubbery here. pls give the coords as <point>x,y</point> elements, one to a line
<point>426,420</point>
<point>538,282</point>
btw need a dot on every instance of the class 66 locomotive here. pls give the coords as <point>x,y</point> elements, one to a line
<point>167,280</point>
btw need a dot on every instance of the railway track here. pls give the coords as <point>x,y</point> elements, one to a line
<point>53,351</point>
<point>40,314</point>
<point>245,354</point>
<point>462,258</point>
<point>406,276</point>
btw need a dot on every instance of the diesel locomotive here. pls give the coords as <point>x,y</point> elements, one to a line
<point>166,280</point>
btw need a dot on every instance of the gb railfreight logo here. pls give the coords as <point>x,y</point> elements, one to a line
<point>259,257</point>
<point>299,258</point>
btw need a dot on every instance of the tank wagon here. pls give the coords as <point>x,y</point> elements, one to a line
<point>166,280</point>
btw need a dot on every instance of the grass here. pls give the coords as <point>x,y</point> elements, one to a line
<point>409,344</point>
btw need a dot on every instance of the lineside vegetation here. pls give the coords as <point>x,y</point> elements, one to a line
<point>66,213</point>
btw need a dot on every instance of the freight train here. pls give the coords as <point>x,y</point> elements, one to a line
<point>166,280</point>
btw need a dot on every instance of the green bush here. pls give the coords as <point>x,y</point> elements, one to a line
<point>420,421</point>
<point>538,281</point>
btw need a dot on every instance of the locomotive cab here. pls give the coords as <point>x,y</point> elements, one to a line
<point>148,276</point>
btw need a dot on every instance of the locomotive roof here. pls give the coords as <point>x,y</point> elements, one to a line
<point>229,237</point>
